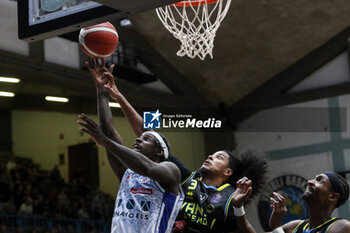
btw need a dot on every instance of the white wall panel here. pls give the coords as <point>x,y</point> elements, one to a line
<point>8,29</point>
<point>63,52</point>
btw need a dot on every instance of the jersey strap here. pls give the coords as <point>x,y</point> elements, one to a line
<point>188,178</point>
<point>323,228</point>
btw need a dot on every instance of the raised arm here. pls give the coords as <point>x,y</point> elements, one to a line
<point>279,211</point>
<point>134,119</point>
<point>165,173</point>
<point>242,193</point>
<point>97,72</point>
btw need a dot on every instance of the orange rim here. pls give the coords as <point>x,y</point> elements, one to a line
<point>194,3</point>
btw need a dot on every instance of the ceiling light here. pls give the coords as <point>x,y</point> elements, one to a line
<point>9,80</point>
<point>7,94</point>
<point>56,99</point>
<point>114,105</point>
<point>126,23</point>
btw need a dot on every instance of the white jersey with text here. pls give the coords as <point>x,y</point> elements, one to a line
<point>142,205</point>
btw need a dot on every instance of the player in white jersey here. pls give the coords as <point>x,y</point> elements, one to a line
<point>143,205</point>
<point>149,196</point>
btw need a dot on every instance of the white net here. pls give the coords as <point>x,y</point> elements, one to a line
<point>194,23</point>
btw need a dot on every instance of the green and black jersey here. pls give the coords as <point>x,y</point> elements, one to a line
<point>205,208</point>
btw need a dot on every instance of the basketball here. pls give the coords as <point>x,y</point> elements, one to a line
<point>99,41</point>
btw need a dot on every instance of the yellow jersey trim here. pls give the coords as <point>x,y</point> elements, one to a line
<point>188,178</point>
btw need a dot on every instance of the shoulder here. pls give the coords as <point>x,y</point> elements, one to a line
<point>339,226</point>
<point>169,165</point>
<point>188,179</point>
<point>229,188</point>
<point>172,168</point>
<point>290,226</point>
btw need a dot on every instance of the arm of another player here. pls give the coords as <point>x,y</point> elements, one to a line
<point>134,119</point>
<point>242,193</point>
<point>248,228</point>
<point>279,211</point>
<point>136,122</point>
<point>165,173</point>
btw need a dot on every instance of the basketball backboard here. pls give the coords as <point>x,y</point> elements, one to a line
<point>41,19</point>
<point>135,6</point>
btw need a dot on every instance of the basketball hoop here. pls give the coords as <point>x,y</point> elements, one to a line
<point>194,23</point>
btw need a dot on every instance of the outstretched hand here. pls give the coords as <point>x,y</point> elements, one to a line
<point>112,88</point>
<point>91,128</point>
<point>243,191</point>
<point>279,210</point>
<point>99,73</point>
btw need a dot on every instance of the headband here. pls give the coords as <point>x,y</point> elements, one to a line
<point>161,141</point>
<point>337,185</point>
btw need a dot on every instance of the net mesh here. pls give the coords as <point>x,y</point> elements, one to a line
<point>195,25</point>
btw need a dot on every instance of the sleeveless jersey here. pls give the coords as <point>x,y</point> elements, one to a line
<point>142,205</point>
<point>205,208</point>
<point>323,228</point>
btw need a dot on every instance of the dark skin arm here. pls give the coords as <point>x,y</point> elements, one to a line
<point>104,81</point>
<point>242,193</point>
<point>243,225</point>
<point>165,173</point>
<point>97,72</point>
<point>134,119</point>
<point>279,211</point>
<point>290,226</point>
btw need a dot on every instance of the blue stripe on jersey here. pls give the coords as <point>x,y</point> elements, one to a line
<point>158,186</point>
<point>207,186</point>
<point>190,177</point>
<point>228,204</point>
<point>169,202</point>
